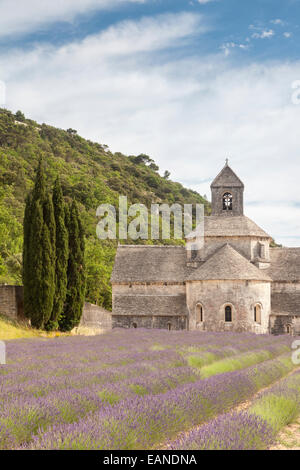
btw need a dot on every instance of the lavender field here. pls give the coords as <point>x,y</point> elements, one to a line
<point>147,389</point>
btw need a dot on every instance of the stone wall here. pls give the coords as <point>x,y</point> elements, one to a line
<point>95,318</point>
<point>147,321</point>
<point>285,324</point>
<point>145,305</point>
<point>237,200</point>
<point>147,288</point>
<point>149,299</point>
<point>150,305</point>
<point>285,298</point>
<point>242,296</point>
<point>285,303</point>
<point>285,286</point>
<point>249,247</point>
<point>11,301</point>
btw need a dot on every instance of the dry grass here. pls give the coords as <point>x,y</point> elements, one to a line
<point>10,329</point>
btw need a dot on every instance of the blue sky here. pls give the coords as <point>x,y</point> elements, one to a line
<point>187,82</point>
<point>232,22</point>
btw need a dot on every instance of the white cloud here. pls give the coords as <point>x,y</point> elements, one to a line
<point>287,35</point>
<point>268,33</point>
<point>278,21</point>
<point>125,38</point>
<point>282,218</point>
<point>228,46</point>
<point>19,16</point>
<point>189,114</point>
<point>148,34</point>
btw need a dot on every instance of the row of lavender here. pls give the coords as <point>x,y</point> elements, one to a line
<point>254,429</point>
<point>76,381</point>
<point>39,368</point>
<point>146,422</point>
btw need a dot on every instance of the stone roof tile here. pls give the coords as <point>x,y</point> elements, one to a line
<point>230,226</point>
<point>150,305</point>
<point>147,263</point>
<point>228,178</point>
<point>227,264</point>
<point>285,303</point>
<point>285,264</point>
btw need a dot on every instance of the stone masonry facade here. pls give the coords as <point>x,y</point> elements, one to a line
<point>235,281</point>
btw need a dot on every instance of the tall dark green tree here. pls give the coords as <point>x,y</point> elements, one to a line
<point>76,271</point>
<point>62,256</point>
<point>39,253</point>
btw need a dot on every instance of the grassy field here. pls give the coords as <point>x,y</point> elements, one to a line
<point>147,389</point>
<point>10,329</point>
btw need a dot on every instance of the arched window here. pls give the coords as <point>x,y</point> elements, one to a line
<point>227,202</point>
<point>169,326</point>
<point>288,329</point>
<point>257,314</point>
<point>228,313</point>
<point>134,325</point>
<point>199,313</point>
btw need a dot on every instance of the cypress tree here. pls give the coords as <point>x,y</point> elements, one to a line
<point>62,255</point>
<point>26,253</point>
<point>39,253</point>
<point>49,259</point>
<point>76,271</point>
<point>48,264</point>
<point>33,227</point>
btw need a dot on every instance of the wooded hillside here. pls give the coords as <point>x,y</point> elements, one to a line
<point>90,174</point>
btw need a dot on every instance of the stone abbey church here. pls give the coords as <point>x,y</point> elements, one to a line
<point>235,282</point>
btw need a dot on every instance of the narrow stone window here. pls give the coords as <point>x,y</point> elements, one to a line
<point>169,326</point>
<point>257,314</point>
<point>194,252</point>
<point>227,202</point>
<point>199,313</point>
<point>262,250</point>
<point>228,314</point>
<point>134,325</point>
<point>288,329</point>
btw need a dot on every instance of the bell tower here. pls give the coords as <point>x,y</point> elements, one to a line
<point>227,192</point>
